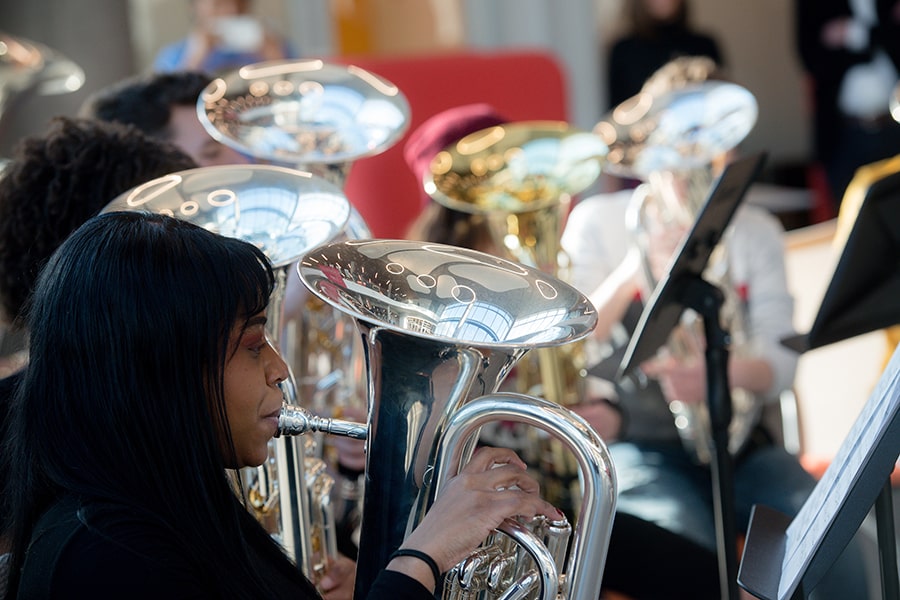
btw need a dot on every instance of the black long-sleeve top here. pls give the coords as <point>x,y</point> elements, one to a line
<point>111,551</point>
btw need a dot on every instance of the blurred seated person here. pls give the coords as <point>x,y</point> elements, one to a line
<point>661,479</point>
<point>164,106</point>
<point>224,35</point>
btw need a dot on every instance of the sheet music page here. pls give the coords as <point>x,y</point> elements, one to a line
<point>807,529</point>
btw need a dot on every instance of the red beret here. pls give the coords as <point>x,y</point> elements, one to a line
<point>441,130</point>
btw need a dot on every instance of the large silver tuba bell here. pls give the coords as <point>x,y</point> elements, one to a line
<point>670,141</point>
<point>305,113</point>
<point>442,327</point>
<point>285,213</point>
<point>318,117</point>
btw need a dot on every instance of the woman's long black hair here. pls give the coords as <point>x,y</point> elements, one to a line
<point>130,324</point>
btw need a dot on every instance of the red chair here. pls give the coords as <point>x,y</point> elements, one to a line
<point>522,85</point>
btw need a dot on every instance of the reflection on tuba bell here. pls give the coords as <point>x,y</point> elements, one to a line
<point>670,142</point>
<point>305,113</point>
<point>442,327</point>
<point>285,213</point>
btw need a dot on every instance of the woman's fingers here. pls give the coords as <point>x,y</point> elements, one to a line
<point>487,457</point>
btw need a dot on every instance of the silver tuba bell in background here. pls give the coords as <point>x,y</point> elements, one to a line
<point>318,117</point>
<point>442,327</point>
<point>285,213</point>
<point>311,114</point>
<point>27,66</point>
<point>670,142</point>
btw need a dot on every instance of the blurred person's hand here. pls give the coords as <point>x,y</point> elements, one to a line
<point>681,380</point>
<point>339,580</point>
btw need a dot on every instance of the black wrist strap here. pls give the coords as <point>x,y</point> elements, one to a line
<point>432,564</point>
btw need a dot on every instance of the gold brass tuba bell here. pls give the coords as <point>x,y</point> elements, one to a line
<point>442,327</point>
<point>285,213</point>
<point>670,141</point>
<point>522,178</point>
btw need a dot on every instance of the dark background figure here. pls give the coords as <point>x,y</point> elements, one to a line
<point>850,51</point>
<point>657,32</point>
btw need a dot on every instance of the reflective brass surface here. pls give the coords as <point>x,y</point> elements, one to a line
<point>304,111</point>
<point>447,293</point>
<point>682,130</point>
<point>282,211</point>
<point>515,167</point>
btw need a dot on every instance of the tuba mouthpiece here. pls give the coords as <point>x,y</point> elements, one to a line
<point>296,420</point>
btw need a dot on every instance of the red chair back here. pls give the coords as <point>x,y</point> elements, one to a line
<point>525,85</point>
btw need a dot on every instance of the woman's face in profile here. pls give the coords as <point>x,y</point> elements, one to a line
<point>253,399</point>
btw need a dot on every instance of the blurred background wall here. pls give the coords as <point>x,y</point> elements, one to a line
<point>111,39</point>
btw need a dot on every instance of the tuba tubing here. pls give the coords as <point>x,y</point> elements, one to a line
<point>588,549</point>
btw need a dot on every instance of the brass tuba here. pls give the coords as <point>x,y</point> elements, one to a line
<point>521,177</point>
<point>285,213</point>
<point>670,142</point>
<point>442,327</point>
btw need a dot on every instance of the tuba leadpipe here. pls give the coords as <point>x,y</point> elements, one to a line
<point>284,212</point>
<point>442,326</point>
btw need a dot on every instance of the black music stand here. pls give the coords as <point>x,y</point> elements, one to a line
<point>783,558</point>
<point>684,287</point>
<point>861,297</point>
<point>862,294</point>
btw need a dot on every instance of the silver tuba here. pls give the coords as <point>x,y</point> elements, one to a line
<point>670,142</point>
<point>318,117</point>
<point>442,327</point>
<point>285,213</point>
